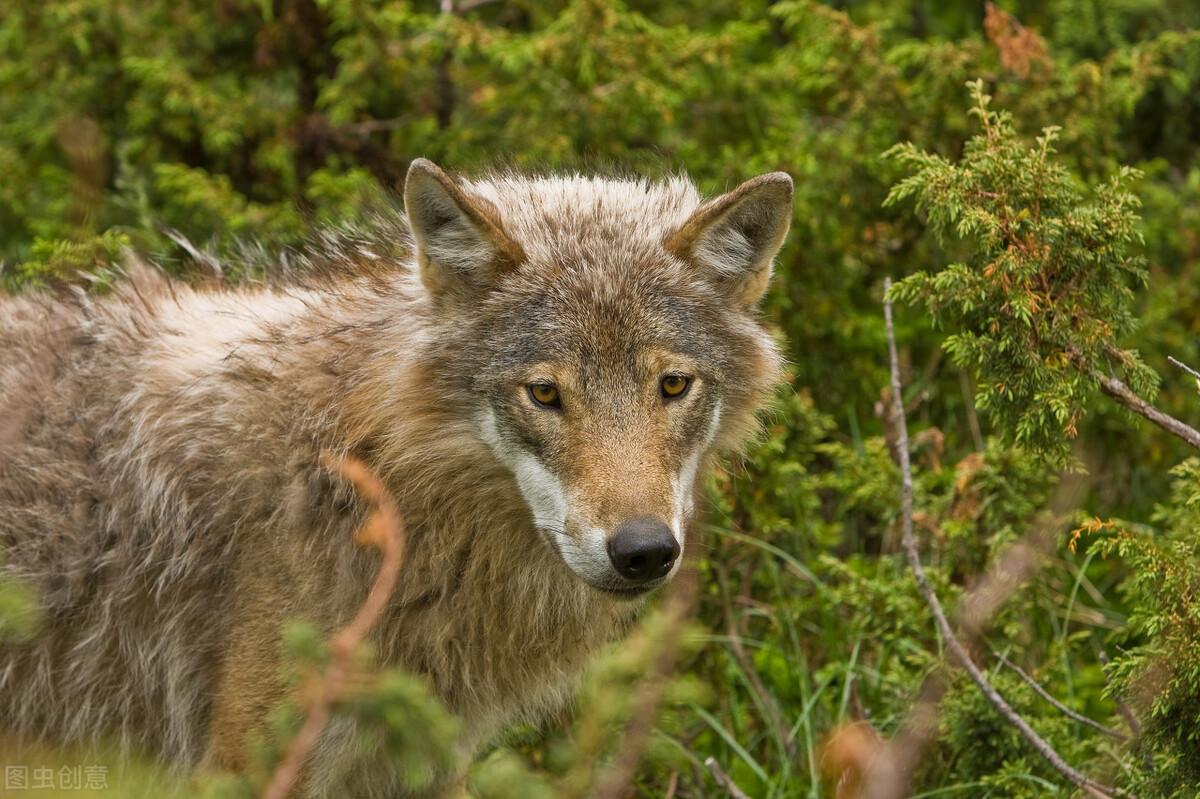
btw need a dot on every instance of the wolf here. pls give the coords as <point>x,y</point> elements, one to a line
<point>539,368</point>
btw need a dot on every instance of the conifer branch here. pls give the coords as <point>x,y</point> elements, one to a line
<point>909,542</point>
<point>1131,720</point>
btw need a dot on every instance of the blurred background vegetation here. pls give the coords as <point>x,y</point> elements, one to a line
<point>237,126</point>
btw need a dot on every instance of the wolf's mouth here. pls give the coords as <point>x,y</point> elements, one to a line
<point>630,591</point>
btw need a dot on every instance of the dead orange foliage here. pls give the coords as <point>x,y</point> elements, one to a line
<point>1021,50</point>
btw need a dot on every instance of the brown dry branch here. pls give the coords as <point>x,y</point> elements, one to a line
<point>383,529</point>
<point>884,770</point>
<point>1117,389</point>
<point>677,606</point>
<point>83,142</point>
<point>724,780</point>
<point>1181,365</point>
<point>1059,706</point>
<point>888,776</point>
<point>672,785</point>
<point>845,755</point>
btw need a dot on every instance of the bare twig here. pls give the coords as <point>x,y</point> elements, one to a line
<point>384,530</point>
<point>909,543</point>
<point>1117,389</point>
<point>723,780</point>
<point>672,785</point>
<point>1184,367</point>
<point>1066,711</point>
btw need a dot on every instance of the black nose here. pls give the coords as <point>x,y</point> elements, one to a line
<point>643,550</point>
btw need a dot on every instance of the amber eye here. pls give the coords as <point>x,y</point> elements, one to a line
<point>674,386</point>
<point>545,394</point>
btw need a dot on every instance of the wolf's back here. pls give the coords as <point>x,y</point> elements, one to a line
<point>102,517</point>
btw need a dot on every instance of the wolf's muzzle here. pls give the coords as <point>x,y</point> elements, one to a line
<point>643,550</point>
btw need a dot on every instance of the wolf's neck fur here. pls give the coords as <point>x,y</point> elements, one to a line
<point>484,607</point>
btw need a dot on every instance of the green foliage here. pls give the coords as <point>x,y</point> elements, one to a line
<point>414,729</point>
<point>1048,292</point>
<point>535,763</point>
<point>245,123</point>
<point>1160,670</point>
<point>976,742</point>
<point>64,259</point>
<point>399,719</point>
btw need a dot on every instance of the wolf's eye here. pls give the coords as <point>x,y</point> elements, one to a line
<point>545,394</point>
<point>674,386</point>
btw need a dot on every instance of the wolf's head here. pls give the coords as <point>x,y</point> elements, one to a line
<point>606,331</point>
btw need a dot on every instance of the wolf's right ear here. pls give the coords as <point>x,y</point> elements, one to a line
<point>461,247</point>
<point>734,237</point>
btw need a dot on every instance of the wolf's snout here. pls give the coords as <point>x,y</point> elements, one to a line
<point>643,550</point>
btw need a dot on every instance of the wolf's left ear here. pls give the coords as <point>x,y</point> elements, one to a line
<point>735,237</point>
<point>462,248</point>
